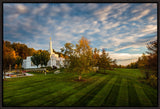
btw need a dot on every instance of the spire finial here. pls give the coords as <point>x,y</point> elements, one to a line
<point>50,38</point>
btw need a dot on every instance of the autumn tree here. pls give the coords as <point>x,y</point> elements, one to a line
<point>95,57</point>
<point>152,63</point>
<point>19,60</point>
<point>31,51</point>
<point>9,57</point>
<point>81,57</point>
<point>152,58</point>
<point>68,51</point>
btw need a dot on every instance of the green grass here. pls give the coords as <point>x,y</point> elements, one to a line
<point>119,87</point>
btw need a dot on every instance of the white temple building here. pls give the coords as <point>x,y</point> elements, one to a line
<point>55,60</point>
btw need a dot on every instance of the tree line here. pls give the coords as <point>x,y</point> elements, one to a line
<point>147,63</point>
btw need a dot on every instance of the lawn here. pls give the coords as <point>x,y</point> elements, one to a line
<point>119,87</point>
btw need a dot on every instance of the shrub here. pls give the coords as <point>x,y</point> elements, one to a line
<point>54,67</point>
<point>152,81</point>
<point>49,68</point>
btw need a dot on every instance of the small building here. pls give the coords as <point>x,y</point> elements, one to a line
<point>55,60</point>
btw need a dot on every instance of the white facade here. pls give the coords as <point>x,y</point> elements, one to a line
<point>55,60</point>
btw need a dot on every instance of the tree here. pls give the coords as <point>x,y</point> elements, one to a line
<point>152,58</point>
<point>114,62</point>
<point>81,57</point>
<point>44,57</point>
<point>19,60</point>
<point>15,67</point>
<point>22,50</point>
<point>40,57</point>
<point>104,60</point>
<point>9,57</point>
<point>95,57</point>
<point>152,47</point>
<point>31,51</point>
<point>36,58</point>
<point>67,51</point>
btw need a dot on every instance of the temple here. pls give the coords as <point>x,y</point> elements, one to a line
<point>55,60</point>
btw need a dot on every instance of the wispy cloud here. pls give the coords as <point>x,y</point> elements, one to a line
<point>123,28</point>
<point>142,14</point>
<point>39,9</point>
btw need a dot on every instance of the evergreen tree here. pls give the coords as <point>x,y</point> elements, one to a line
<point>104,60</point>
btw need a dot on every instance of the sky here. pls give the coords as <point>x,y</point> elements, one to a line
<point>122,29</point>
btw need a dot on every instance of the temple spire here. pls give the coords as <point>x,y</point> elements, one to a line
<point>50,47</point>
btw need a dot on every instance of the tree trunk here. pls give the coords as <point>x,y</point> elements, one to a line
<point>79,77</point>
<point>10,67</point>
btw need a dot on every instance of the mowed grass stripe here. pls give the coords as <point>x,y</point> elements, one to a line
<point>29,81</point>
<point>151,93</point>
<point>25,80</point>
<point>89,96</point>
<point>64,95</point>
<point>112,96</point>
<point>75,97</point>
<point>58,96</point>
<point>132,94</point>
<point>25,88</point>
<point>142,96</point>
<point>42,100</point>
<point>32,81</point>
<point>17,89</point>
<point>101,95</point>
<point>36,93</point>
<point>122,99</point>
<point>17,100</point>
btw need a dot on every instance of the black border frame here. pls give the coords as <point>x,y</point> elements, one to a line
<point>78,1</point>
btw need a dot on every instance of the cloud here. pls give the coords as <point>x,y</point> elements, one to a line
<point>40,9</point>
<point>135,49</point>
<point>13,17</point>
<point>134,11</point>
<point>151,18</point>
<point>124,58</point>
<point>92,6</point>
<point>114,10</point>
<point>96,30</point>
<point>150,29</point>
<point>142,14</point>
<point>111,25</point>
<point>21,8</point>
<point>103,13</point>
<point>65,8</point>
